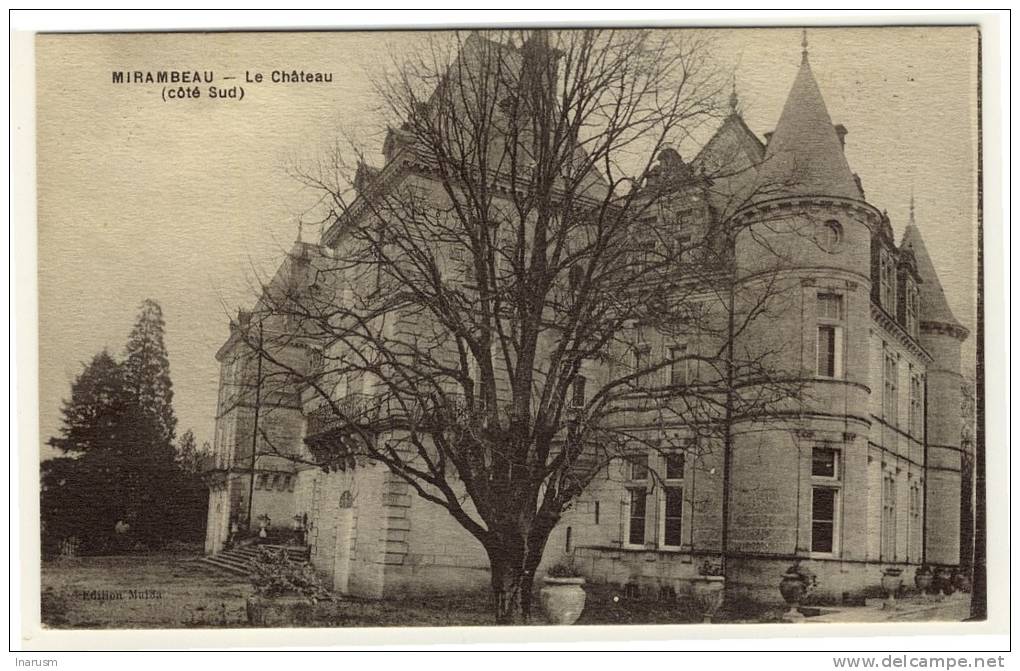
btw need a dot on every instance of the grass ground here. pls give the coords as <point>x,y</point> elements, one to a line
<point>166,591</point>
<point>139,591</point>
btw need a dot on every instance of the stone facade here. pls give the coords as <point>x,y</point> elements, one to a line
<point>863,475</point>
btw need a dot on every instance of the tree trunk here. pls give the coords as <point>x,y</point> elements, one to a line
<point>511,588</point>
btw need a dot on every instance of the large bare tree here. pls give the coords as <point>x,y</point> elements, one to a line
<point>482,314</point>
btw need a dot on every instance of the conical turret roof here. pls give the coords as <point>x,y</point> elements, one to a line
<point>804,156</point>
<point>934,306</point>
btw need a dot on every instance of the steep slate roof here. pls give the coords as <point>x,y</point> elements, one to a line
<point>934,307</point>
<point>804,157</point>
<point>731,159</point>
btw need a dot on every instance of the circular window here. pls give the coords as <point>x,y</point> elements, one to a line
<point>830,236</point>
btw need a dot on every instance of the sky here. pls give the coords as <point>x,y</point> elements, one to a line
<point>183,201</point>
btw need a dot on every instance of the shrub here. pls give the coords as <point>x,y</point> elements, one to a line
<point>711,568</point>
<point>273,573</point>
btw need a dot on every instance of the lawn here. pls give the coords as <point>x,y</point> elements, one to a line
<point>139,592</point>
<point>166,591</point>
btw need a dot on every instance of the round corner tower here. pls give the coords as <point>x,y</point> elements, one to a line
<point>803,474</point>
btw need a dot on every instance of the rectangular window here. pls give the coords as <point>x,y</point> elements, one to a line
<point>914,520</point>
<point>889,517</point>
<point>916,403</point>
<point>460,264</point>
<point>890,397</point>
<point>673,512</point>
<point>647,254</point>
<point>638,465</point>
<point>640,357</point>
<point>829,345</point>
<point>827,351</point>
<point>636,517</point>
<point>830,306</point>
<point>887,279</point>
<point>913,302</point>
<point>578,399</point>
<point>823,519</point>
<point>679,368</point>
<point>675,466</point>
<point>825,463</point>
<point>637,474</point>
<point>671,508</point>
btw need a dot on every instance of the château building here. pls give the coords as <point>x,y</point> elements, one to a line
<point>862,475</point>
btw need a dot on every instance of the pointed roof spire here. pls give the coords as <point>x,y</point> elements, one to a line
<point>934,306</point>
<point>805,156</point>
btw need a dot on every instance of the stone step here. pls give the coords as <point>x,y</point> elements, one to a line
<point>240,562</point>
<point>219,563</point>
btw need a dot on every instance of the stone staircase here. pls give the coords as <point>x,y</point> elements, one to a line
<point>237,560</point>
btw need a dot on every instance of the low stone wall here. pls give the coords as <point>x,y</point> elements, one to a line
<point>647,571</point>
<point>753,578</point>
<point>757,579</point>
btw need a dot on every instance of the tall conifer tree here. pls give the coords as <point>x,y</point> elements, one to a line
<point>147,368</point>
<point>99,403</point>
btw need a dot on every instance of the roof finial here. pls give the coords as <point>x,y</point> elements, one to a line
<point>733,96</point>
<point>299,227</point>
<point>803,45</point>
<point>911,205</point>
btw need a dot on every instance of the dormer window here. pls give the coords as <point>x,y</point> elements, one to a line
<point>887,281</point>
<point>913,301</point>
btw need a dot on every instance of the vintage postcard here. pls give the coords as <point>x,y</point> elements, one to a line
<point>671,326</point>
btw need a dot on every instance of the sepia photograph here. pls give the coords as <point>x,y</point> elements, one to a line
<point>535,327</point>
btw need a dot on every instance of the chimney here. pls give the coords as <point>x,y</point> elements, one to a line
<point>841,131</point>
<point>768,136</point>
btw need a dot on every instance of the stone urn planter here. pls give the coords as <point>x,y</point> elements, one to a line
<point>708,592</point>
<point>922,579</point>
<point>962,582</point>
<point>892,580</point>
<point>794,586</point>
<point>562,598</point>
<point>945,582</point>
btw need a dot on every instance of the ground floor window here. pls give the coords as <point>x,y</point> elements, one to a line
<point>914,530</point>
<point>889,517</point>
<point>672,516</point>
<point>824,503</point>
<point>636,517</point>
<point>655,505</point>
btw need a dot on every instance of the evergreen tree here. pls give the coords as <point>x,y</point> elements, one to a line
<point>98,404</point>
<point>123,483</point>
<point>147,368</point>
